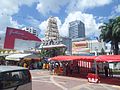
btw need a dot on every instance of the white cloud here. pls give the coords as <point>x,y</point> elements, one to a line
<point>14,23</point>
<point>115,11</point>
<point>45,6</point>
<point>88,19</point>
<point>4,22</point>
<point>43,27</point>
<point>59,24</point>
<point>82,5</point>
<point>33,22</point>
<point>9,8</point>
<point>117,8</point>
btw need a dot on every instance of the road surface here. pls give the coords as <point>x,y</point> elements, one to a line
<point>42,80</point>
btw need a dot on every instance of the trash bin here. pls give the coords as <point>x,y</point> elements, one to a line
<point>93,78</point>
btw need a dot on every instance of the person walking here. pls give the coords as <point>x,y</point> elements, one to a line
<point>106,71</point>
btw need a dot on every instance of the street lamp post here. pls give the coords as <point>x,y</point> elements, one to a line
<point>96,54</point>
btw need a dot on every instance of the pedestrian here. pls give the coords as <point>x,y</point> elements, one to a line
<point>77,68</point>
<point>93,69</point>
<point>43,65</point>
<point>98,68</point>
<point>71,69</point>
<point>106,71</point>
<point>25,65</point>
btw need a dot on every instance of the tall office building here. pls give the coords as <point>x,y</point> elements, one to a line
<point>76,29</point>
<point>52,29</point>
<point>31,30</point>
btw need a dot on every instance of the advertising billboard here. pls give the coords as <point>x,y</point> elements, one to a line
<point>80,47</point>
<point>12,34</point>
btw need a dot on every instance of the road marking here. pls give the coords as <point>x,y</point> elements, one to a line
<point>71,78</point>
<point>41,81</point>
<point>106,86</point>
<point>57,84</point>
<point>115,86</point>
<point>78,87</point>
<point>40,77</point>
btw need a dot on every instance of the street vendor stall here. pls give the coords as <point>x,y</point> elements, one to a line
<point>76,63</point>
<point>88,63</point>
<point>108,62</point>
<point>104,60</point>
<point>13,59</point>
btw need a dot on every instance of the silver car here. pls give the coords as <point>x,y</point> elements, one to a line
<point>15,78</point>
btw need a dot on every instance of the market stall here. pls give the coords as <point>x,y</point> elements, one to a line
<point>107,63</point>
<point>13,59</point>
<point>87,64</point>
<point>76,64</point>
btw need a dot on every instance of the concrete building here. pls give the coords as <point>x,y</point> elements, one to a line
<point>76,29</point>
<point>31,30</point>
<point>82,46</point>
<point>68,42</point>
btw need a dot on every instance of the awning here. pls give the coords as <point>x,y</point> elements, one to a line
<point>70,58</point>
<point>16,57</point>
<point>108,58</point>
<point>32,56</point>
<point>3,55</point>
<point>31,59</point>
<point>101,58</point>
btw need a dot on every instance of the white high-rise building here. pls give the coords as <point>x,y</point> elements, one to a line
<point>31,30</point>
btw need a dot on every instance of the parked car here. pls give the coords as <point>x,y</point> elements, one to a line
<point>15,78</point>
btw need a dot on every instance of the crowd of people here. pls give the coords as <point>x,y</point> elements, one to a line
<point>61,68</point>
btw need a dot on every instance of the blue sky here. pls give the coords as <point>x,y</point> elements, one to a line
<point>35,13</point>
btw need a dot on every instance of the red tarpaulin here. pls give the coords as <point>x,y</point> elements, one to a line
<point>69,58</point>
<point>108,58</point>
<point>101,58</point>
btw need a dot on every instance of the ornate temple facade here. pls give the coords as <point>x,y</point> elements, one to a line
<point>52,43</point>
<point>52,29</point>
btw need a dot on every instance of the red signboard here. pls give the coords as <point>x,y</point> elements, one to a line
<point>12,34</point>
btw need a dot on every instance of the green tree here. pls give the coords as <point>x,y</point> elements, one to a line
<point>110,32</point>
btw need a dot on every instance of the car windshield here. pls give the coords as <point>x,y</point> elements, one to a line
<point>14,78</point>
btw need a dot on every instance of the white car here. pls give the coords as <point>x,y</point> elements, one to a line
<point>15,78</point>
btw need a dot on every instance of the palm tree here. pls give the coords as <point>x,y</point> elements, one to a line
<point>110,32</point>
<point>116,34</point>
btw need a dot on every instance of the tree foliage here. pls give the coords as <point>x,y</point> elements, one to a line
<point>110,32</point>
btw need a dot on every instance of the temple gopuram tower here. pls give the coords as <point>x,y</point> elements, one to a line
<point>52,29</point>
<point>52,44</point>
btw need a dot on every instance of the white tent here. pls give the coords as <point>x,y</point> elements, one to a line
<point>16,57</point>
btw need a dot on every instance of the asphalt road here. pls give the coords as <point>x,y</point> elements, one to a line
<point>42,80</point>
